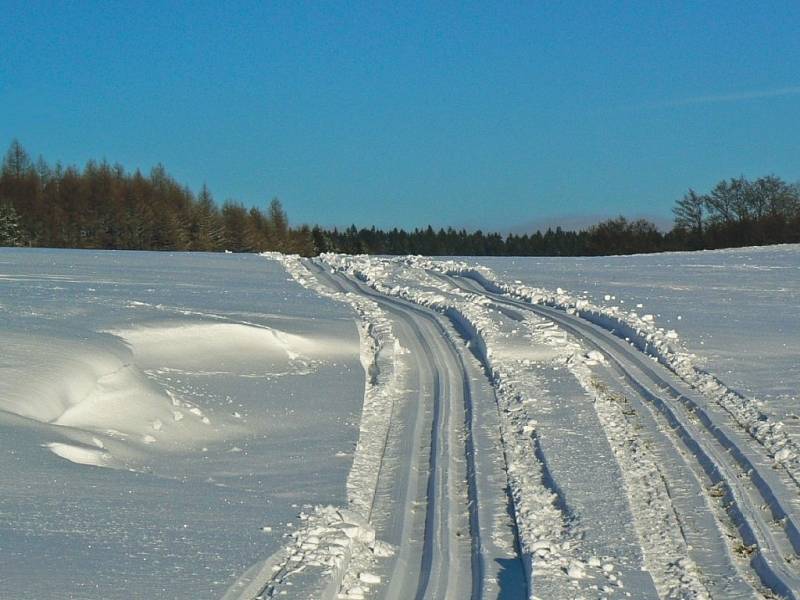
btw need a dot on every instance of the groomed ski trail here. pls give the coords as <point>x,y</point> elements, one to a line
<point>758,501</point>
<point>452,551</point>
<point>714,516</point>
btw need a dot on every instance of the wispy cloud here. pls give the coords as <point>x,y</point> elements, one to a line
<point>732,97</point>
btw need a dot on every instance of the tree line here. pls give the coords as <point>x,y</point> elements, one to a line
<point>617,236</point>
<point>103,206</point>
<point>736,212</point>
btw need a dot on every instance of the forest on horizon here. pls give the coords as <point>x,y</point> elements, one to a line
<point>103,206</point>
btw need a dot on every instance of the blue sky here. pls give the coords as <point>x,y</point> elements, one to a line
<point>495,115</point>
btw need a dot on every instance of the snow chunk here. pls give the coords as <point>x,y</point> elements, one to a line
<point>80,455</point>
<point>576,570</point>
<point>369,578</point>
<point>596,356</point>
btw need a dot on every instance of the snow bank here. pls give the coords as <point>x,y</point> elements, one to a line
<point>100,383</point>
<point>94,389</point>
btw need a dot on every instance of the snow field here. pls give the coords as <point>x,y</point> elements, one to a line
<point>512,440</point>
<point>163,417</point>
<point>334,549</point>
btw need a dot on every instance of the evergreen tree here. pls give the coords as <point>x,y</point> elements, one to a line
<point>206,230</point>
<point>17,162</point>
<point>303,242</point>
<point>235,219</point>
<point>280,225</point>
<point>10,232</point>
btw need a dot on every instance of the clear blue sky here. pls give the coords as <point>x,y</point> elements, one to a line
<point>491,114</point>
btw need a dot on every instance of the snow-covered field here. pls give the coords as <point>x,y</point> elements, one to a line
<point>156,412</point>
<point>619,427</point>
<point>738,309</point>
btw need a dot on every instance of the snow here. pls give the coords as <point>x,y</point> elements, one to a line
<point>199,425</point>
<point>543,516</point>
<point>736,310</point>
<point>156,411</point>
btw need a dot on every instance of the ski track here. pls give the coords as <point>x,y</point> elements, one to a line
<point>451,488</point>
<point>462,487</point>
<point>757,497</point>
<point>562,570</point>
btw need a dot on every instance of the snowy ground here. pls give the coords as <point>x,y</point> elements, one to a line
<point>631,469</point>
<point>736,309</point>
<point>217,396</point>
<point>526,428</point>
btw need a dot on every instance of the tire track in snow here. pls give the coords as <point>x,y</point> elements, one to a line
<point>750,485</point>
<point>547,545</point>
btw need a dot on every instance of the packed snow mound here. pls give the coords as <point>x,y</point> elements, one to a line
<point>47,375</point>
<point>214,347</point>
<point>80,454</point>
<point>89,389</point>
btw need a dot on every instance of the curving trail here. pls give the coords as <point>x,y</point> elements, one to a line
<point>626,480</point>
<point>448,486</point>
<point>756,499</point>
